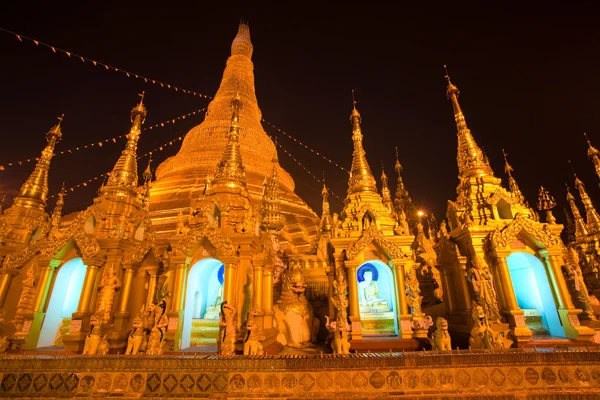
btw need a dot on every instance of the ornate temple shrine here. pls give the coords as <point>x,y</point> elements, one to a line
<point>218,254</point>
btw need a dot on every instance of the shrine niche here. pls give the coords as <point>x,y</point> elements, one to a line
<point>376,299</point>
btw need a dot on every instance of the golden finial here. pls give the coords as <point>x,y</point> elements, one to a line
<point>507,167</point>
<point>594,155</point>
<point>353,100</point>
<point>545,200</point>
<point>452,90</point>
<point>592,216</point>
<point>148,171</point>
<point>361,178</point>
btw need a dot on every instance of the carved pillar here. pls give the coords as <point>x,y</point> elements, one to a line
<point>509,304</point>
<point>268,297</point>
<point>5,281</point>
<point>446,278</point>
<point>330,279</point>
<point>257,299</point>
<point>179,270</point>
<point>351,267</point>
<point>75,338</point>
<point>33,323</point>
<point>402,314</point>
<point>230,281</point>
<point>121,313</point>
<point>150,295</point>
<point>566,310</point>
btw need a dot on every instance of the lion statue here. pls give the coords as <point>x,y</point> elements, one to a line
<point>338,336</point>
<point>482,334</point>
<point>294,316</point>
<point>252,345</point>
<point>441,337</point>
<point>136,337</point>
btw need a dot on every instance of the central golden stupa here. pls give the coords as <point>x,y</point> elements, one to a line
<point>181,178</point>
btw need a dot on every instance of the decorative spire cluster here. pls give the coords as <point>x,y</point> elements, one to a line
<point>361,178</point>
<point>402,201</point>
<point>271,217</point>
<point>326,221</point>
<point>230,169</point>
<point>546,203</point>
<point>471,160</point>
<point>385,191</point>
<point>36,186</point>
<point>594,155</point>
<point>512,183</point>
<point>580,228</point>
<point>591,215</point>
<point>124,174</point>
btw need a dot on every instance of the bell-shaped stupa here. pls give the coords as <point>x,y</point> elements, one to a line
<point>181,178</point>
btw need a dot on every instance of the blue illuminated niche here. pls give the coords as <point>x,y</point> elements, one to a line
<point>64,299</point>
<point>532,289</point>
<point>203,284</point>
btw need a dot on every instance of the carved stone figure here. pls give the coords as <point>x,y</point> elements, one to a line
<point>95,341</point>
<point>252,345</point>
<point>422,243</point>
<point>441,337</point>
<point>294,316</point>
<point>25,304</point>
<point>574,275</point>
<point>181,229</point>
<point>108,286</point>
<point>483,287</point>
<point>228,330</point>
<point>156,339</point>
<point>136,337</point>
<point>482,335</point>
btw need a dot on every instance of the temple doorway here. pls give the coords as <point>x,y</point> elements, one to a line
<point>534,295</point>
<point>203,297</point>
<point>63,302</point>
<point>376,299</point>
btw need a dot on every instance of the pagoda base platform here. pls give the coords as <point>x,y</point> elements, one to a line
<point>509,374</point>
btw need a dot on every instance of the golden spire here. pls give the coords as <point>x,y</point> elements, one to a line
<point>60,202</point>
<point>124,174</point>
<point>580,228</point>
<point>591,215</point>
<point>271,217</point>
<point>361,178</point>
<point>385,191</point>
<point>402,200</point>
<point>512,183</point>
<point>36,186</point>
<point>242,45</point>
<point>470,158</point>
<point>326,222</point>
<point>230,170</point>
<point>145,192</point>
<point>594,155</point>
<point>546,203</point>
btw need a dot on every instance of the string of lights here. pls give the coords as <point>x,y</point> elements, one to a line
<point>148,153</point>
<point>303,167</point>
<point>95,63</point>
<point>305,146</point>
<point>102,142</point>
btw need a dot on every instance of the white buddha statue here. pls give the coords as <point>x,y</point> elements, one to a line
<point>368,293</point>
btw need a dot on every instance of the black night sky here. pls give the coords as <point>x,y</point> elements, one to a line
<point>528,78</point>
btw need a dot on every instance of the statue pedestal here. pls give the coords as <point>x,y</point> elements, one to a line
<point>204,332</point>
<point>573,327</point>
<point>378,323</point>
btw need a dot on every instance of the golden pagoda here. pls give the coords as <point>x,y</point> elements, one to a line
<point>219,255</point>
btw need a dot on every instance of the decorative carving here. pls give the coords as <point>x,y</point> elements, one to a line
<point>574,275</point>
<point>136,336</point>
<point>483,287</point>
<point>294,315</point>
<point>252,345</point>
<point>156,338</point>
<point>374,235</point>
<point>441,337</point>
<point>502,237</point>
<point>228,331</point>
<point>108,287</point>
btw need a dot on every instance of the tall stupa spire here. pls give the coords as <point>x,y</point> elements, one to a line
<point>402,201</point>
<point>271,217</point>
<point>385,191</point>
<point>361,178</point>
<point>594,155</point>
<point>124,174</point>
<point>326,221</point>
<point>580,228</point>
<point>591,215</point>
<point>230,170</point>
<point>470,158</point>
<point>512,183</point>
<point>35,187</point>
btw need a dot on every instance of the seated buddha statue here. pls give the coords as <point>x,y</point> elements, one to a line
<point>368,293</point>
<point>212,311</point>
